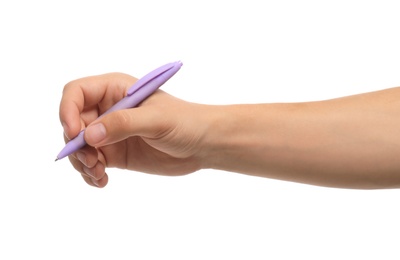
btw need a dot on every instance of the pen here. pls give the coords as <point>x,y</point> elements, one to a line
<point>139,91</point>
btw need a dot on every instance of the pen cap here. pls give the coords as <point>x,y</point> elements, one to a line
<point>174,66</point>
<point>140,92</point>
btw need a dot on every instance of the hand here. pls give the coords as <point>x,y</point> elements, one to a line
<point>161,136</point>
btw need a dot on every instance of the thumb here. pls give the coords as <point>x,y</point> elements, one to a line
<point>120,125</point>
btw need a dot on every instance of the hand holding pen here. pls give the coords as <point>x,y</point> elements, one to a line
<point>136,94</point>
<point>127,138</point>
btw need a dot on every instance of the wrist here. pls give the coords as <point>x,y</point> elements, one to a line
<point>229,134</point>
<point>252,139</point>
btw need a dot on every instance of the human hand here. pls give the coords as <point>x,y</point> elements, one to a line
<point>162,135</point>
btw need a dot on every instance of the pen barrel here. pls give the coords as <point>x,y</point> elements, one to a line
<point>73,145</point>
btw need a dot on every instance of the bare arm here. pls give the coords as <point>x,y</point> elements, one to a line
<point>350,142</point>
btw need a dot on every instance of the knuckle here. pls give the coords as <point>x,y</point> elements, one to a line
<point>123,118</point>
<point>119,120</point>
<point>69,85</point>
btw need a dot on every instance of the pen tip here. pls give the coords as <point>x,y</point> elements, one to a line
<point>56,159</point>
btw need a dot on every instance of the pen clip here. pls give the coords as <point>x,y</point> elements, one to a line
<point>152,75</point>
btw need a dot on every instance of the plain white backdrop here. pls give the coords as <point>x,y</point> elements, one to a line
<point>233,52</point>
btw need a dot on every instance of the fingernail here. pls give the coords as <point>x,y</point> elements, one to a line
<point>95,133</point>
<point>95,183</point>
<point>88,171</point>
<point>66,128</point>
<point>81,157</point>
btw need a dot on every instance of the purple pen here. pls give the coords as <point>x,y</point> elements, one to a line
<point>143,88</point>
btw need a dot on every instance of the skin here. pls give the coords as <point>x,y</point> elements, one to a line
<point>348,142</point>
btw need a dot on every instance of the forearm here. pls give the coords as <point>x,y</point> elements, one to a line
<point>351,142</point>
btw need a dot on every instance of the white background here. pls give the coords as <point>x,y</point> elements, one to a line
<point>233,52</point>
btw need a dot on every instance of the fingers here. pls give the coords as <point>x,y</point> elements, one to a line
<point>91,169</point>
<point>122,124</point>
<point>96,183</point>
<point>90,163</point>
<point>84,99</point>
<point>82,102</point>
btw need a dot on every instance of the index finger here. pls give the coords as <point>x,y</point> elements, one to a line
<point>94,95</point>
